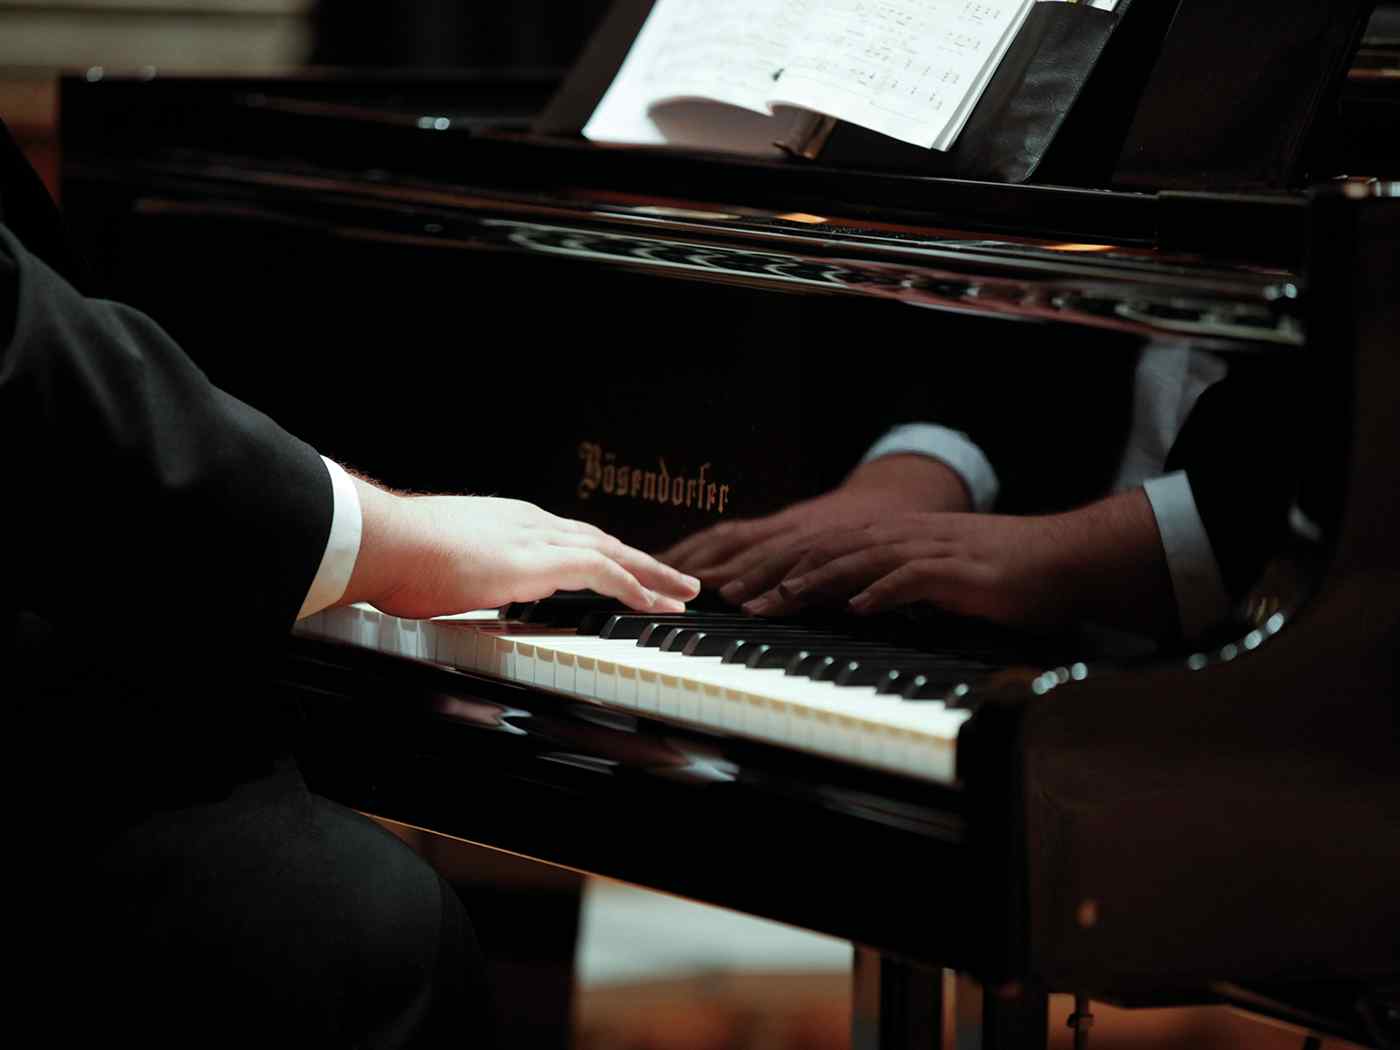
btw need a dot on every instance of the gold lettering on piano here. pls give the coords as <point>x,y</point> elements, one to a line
<point>602,473</point>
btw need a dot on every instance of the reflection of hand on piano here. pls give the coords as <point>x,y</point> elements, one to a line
<point>1102,563</point>
<point>436,555</point>
<point>746,558</point>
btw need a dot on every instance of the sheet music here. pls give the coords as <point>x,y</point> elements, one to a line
<point>911,69</point>
<point>722,50</point>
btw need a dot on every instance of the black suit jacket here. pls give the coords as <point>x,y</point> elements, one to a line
<point>157,539</point>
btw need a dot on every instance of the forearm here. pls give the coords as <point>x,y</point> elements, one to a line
<point>1107,563</point>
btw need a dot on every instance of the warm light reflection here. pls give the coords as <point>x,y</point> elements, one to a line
<point>802,216</point>
<point>1080,247</point>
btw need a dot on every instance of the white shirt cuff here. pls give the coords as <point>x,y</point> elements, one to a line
<point>952,447</point>
<point>342,547</point>
<point>1201,600</point>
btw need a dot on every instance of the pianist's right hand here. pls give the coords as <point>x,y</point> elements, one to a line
<point>743,559</point>
<point>424,556</point>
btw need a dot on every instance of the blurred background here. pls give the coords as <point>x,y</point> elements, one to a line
<point>40,38</point>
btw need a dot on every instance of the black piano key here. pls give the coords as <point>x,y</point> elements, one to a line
<point>630,625</point>
<point>516,610</point>
<point>708,643</point>
<point>661,633</point>
<point>706,603</point>
<point>779,654</point>
<point>960,695</point>
<point>655,633</point>
<point>565,608</point>
<point>765,636</point>
<point>823,659</point>
<point>801,656</point>
<point>936,687</point>
<point>716,640</point>
<point>774,654</point>
<point>892,682</point>
<point>863,673</point>
<point>720,635</point>
<point>733,647</point>
<point>592,623</point>
<point>878,671</point>
<point>849,670</point>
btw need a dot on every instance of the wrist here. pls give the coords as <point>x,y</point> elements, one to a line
<point>918,481</point>
<point>386,535</point>
<point>1107,561</point>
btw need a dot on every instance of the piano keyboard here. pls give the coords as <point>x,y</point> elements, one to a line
<point>912,731</point>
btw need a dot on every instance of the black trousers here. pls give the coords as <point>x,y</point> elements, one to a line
<point>266,917</point>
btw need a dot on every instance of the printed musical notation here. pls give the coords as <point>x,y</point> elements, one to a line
<point>911,59</point>
<point>907,68</point>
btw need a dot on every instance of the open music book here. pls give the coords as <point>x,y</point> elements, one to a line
<point>759,76</point>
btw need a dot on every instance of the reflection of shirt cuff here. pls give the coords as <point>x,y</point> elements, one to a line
<point>1201,601</point>
<point>953,447</point>
<point>342,548</point>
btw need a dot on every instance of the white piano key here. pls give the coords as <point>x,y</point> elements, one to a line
<point>389,635</point>
<point>367,623</point>
<point>565,672</point>
<point>668,694</point>
<point>495,657</point>
<point>586,676</point>
<point>605,681</point>
<point>460,645</point>
<point>688,705</point>
<point>414,643</point>
<point>626,685</point>
<point>853,723</point>
<point>339,624</point>
<point>545,666</point>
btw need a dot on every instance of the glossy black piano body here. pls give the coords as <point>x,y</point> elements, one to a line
<point>507,299</point>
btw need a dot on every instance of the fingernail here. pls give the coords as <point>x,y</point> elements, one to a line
<point>692,583</point>
<point>792,588</point>
<point>672,605</point>
<point>760,605</point>
<point>861,602</point>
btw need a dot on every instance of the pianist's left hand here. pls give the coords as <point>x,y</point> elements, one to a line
<point>1102,563</point>
<point>423,556</point>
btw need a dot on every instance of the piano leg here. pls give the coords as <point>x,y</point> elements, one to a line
<point>1014,1017</point>
<point>897,1005</point>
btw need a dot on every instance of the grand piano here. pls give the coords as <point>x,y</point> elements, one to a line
<point>405,273</point>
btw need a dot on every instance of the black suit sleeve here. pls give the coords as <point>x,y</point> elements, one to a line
<point>139,497</point>
<point>1240,449</point>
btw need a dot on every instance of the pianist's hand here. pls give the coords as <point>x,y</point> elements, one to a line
<point>745,558</point>
<point>424,556</point>
<point>1102,563</point>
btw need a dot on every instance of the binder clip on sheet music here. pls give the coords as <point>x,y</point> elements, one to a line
<point>763,77</point>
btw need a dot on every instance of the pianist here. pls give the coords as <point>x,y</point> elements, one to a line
<point>1164,551</point>
<point>172,878</point>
